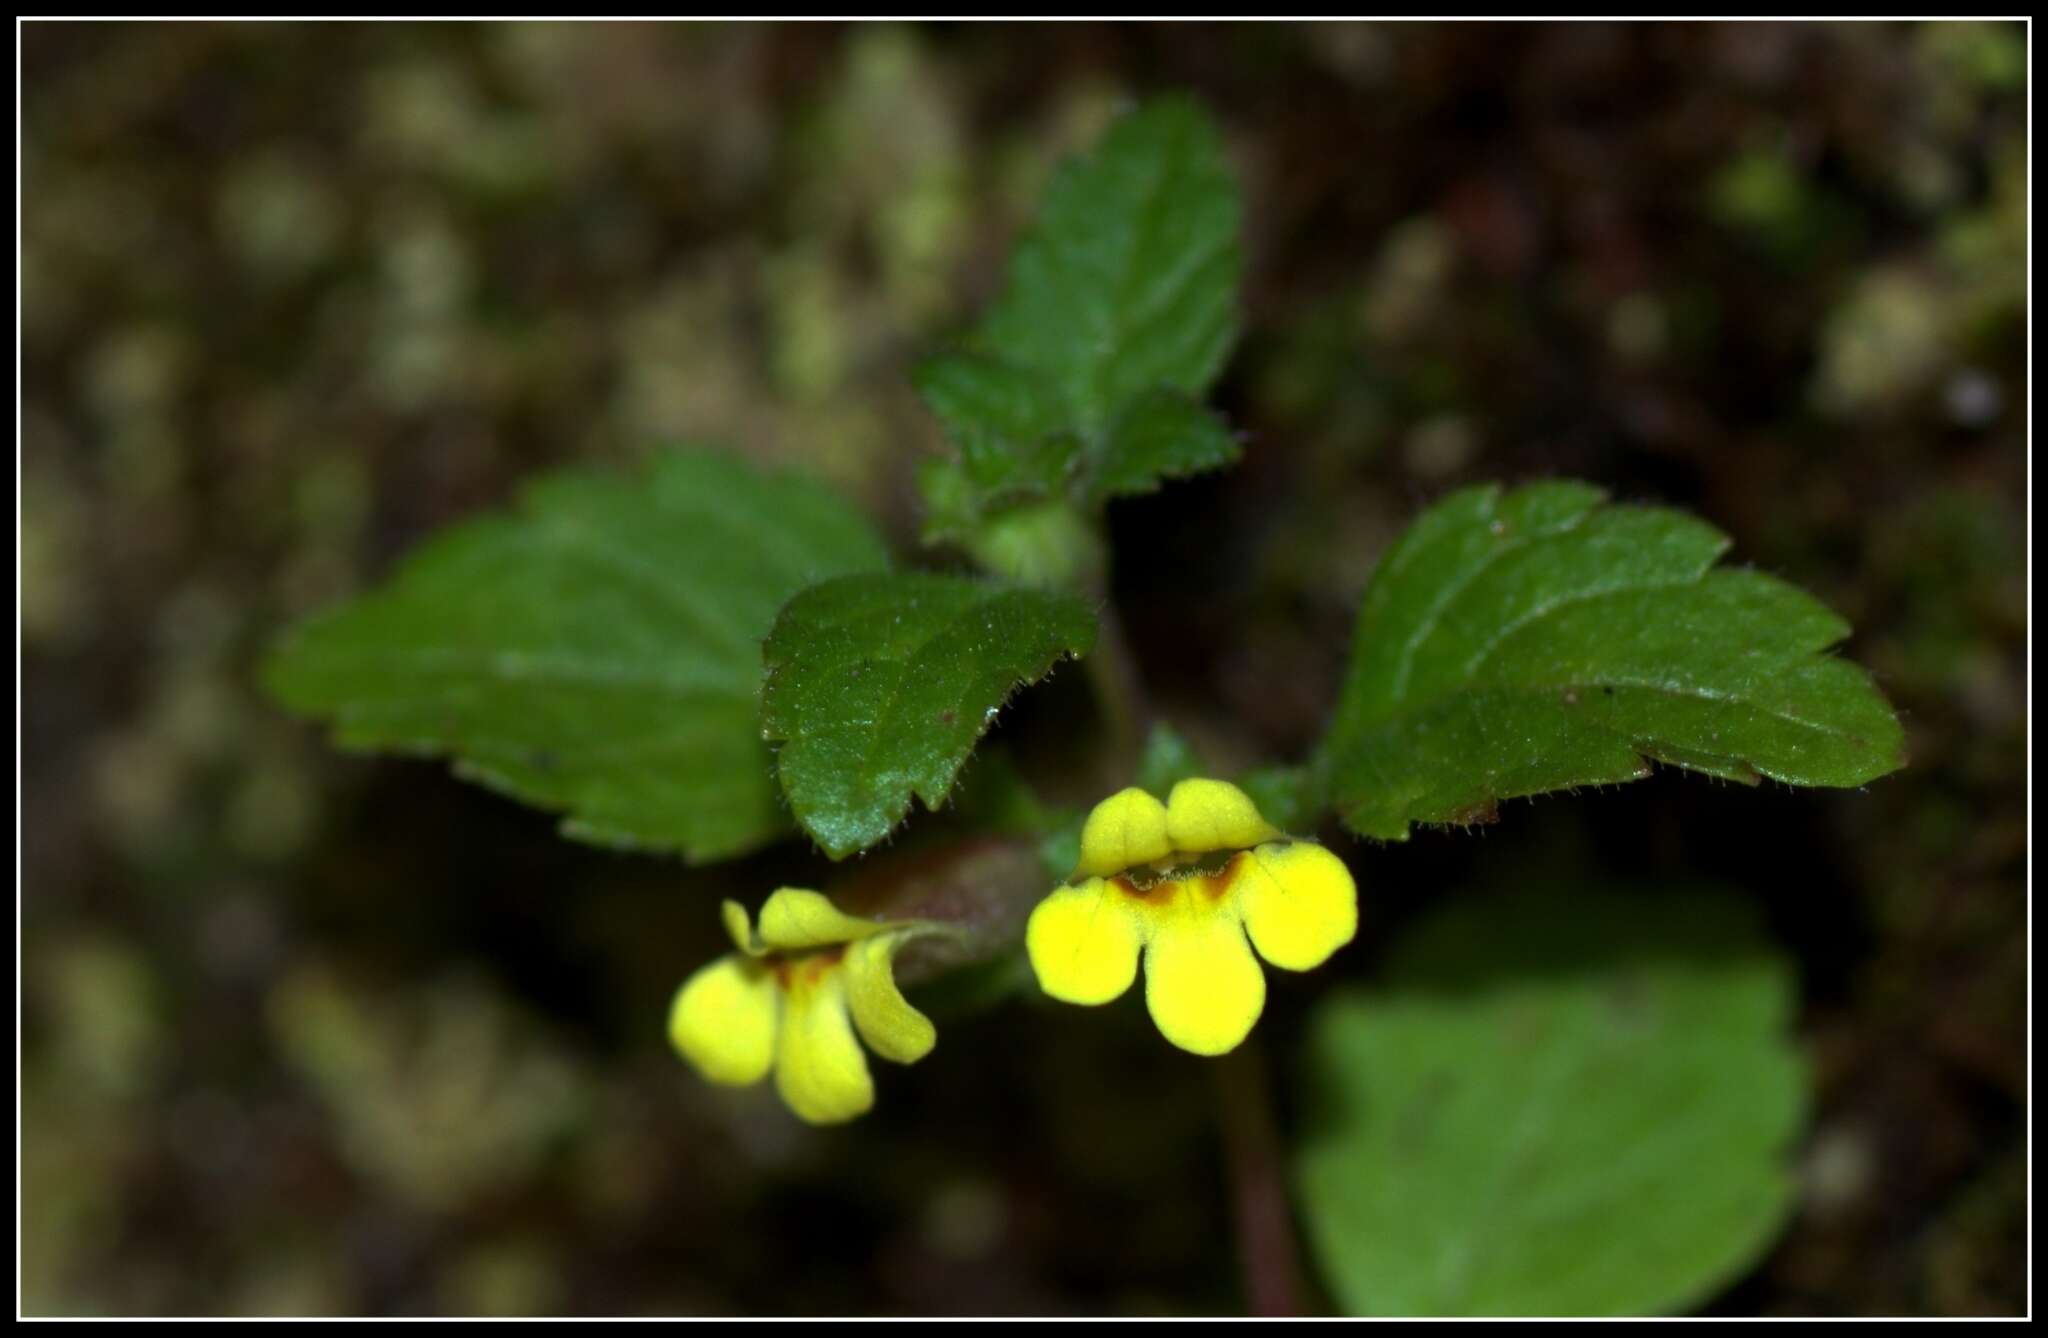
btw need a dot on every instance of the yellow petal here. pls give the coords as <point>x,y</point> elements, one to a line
<point>1299,903</point>
<point>1122,832</point>
<point>887,1022</point>
<point>1083,942</point>
<point>741,929</point>
<point>819,1068</point>
<point>1206,815</point>
<point>723,1021</point>
<point>797,918</point>
<point>1202,983</point>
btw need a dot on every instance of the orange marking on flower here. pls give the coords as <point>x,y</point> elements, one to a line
<point>807,968</point>
<point>1217,885</point>
<point>1154,891</point>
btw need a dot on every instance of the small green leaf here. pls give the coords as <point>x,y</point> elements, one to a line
<point>1572,1104</point>
<point>1119,309</point>
<point>1009,428</point>
<point>597,652</point>
<point>1163,435</point>
<point>1128,280</point>
<point>1512,644</point>
<point>879,685</point>
<point>952,505</point>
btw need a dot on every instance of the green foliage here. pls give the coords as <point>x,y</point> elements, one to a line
<point>1168,759</point>
<point>597,652</point>
<point>880,684</point>
<point>1128,280</point>
<point>1009,428</point>
<point>993,796</point>
<point>1086,375</point>
<point>1780,209</point>
<point>1059,850</point>
<point>1044,543</point>
<point>1285,796</point>
<point>1555,1105</point>
<point>1162,435</point>
<point>1535,640</point>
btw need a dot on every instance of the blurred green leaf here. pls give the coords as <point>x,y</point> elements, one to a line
<point>1006,422</point>
<point>1059,850</point>
<point>1119,310</point>
<point>1557,1104</point>
<point>880,684</point>
<point>1782,208</point>
<point>1284,796</point>
<point>993,796</point>
<point>1516,643</point>
<point>597,652</point>
<point>1043,543</point>
<point>1162,435</point>
<point>1167,760</point>
<point>952,505</point>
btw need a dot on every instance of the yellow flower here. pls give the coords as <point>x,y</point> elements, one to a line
<point>791,1000</point>
<point>1184,882</point>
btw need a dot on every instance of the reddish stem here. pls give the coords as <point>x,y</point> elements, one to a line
<point>1266,1248</point>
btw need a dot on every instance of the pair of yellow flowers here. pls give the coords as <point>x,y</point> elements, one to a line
<point>1182,883</point>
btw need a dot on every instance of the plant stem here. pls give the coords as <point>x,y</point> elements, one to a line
<point>1267,1253</point>
<point>1118,690</point>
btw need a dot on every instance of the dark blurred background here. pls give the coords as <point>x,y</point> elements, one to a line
<point>307,1033</point>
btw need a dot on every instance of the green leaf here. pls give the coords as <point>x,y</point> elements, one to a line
<point>1009,429</point>
<point>1128,280</point>
<point>1118,311</point>
<point>879,685</point>
<point>1162,436</point>
<point>598,652</point>
<point>1557,1104</point>
<point>1512,644</point>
